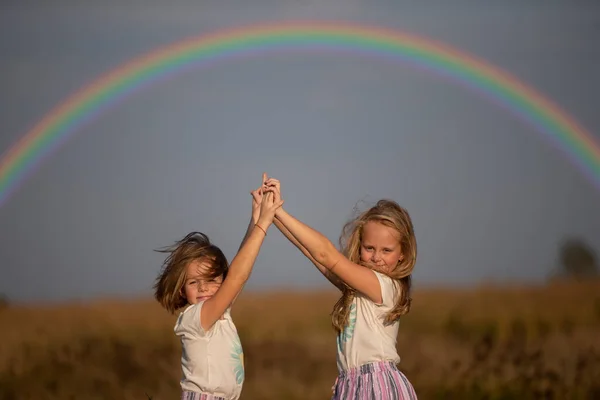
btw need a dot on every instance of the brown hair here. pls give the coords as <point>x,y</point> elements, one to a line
<point>388,213</point>
<point>169,283</point>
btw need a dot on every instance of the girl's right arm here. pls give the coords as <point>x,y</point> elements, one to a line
<point>327,273</point>
<point>241,266</point>
<point>356,276</point>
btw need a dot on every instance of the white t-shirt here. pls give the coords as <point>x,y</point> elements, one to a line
<point>366,339</point>
<point>212,362</point>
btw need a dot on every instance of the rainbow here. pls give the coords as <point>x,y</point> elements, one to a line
<point>57,126</point>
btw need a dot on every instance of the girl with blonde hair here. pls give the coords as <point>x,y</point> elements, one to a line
<point>373,272</point>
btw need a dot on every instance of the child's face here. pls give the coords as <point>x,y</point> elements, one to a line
<point>198,284</point>
<point>380,246</point>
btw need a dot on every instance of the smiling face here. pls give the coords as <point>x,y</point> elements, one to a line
<point>199,285</point>
<point>380,246</point>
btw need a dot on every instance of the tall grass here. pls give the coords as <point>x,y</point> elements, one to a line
<point>485,343</point>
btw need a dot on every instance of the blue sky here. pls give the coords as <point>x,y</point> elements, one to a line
<point>490,198</point>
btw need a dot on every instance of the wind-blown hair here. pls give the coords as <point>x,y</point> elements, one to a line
<point>388,213</point>
<point>168,288</point>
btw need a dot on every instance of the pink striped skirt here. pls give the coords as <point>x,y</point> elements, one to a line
<point>187,395</point>
<point>374,381</point>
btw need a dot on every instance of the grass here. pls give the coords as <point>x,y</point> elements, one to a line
<point>512,342</point>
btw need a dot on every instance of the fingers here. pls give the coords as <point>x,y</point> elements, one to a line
<point>255,195</point>
<point>272,182</point>
<point>268,196</point>
<point>270,190</point>
<point>271,185</point>
<point>275,192</point>
<point>258,192</point>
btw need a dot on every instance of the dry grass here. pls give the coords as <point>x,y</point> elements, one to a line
<point>486,343</point>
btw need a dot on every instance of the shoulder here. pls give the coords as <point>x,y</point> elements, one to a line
<point>389,290</point>
<point>188,321</point>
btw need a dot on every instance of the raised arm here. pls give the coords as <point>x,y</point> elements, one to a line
<point>325,253</point>
<point>256,201</point>
<point>327,273</point>
<point>241,265</point>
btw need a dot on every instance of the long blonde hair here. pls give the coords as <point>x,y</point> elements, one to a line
<point>388,213</point>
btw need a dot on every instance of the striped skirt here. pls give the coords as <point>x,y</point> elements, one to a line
<point>187,395</point>
<point>374,381</point>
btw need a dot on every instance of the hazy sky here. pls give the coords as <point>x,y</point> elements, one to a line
<point>489,197</point>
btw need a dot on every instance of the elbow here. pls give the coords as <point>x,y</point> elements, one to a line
<point>239,278</point>
<point>326,256</point>
<point>321,257</point>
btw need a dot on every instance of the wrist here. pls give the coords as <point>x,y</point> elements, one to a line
<point>261,227</point>
<point>263,223</point>
<point>280,212</point>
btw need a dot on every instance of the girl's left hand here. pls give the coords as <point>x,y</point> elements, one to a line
<point>271,202</point>
<point>272,185</point>
<point>257,196</point>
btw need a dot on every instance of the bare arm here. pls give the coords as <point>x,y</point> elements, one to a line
<point>248,232</point>
<point>240,268</point>
<point>327,273</point>
<point>274,183</point>
<point>324,253</point>
<point>256,202</point>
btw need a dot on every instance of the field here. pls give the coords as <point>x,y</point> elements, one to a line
<point>485,343</point>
